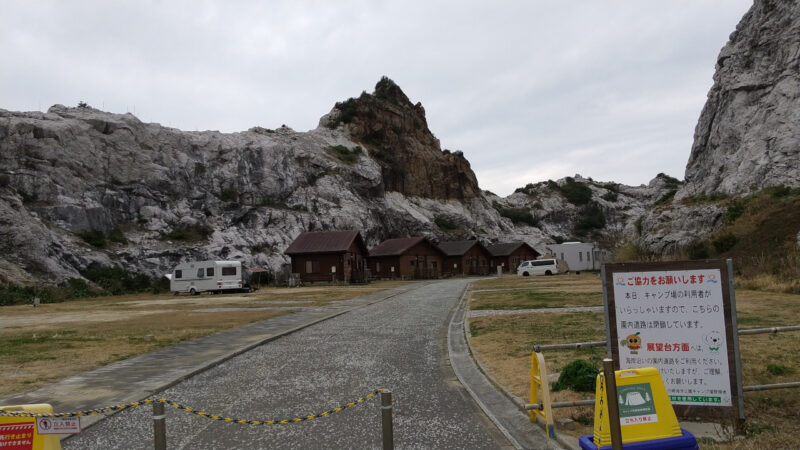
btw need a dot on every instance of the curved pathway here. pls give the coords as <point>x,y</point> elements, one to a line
<point>399,344</point>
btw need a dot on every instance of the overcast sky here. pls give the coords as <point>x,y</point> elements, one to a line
<point>528,90</point>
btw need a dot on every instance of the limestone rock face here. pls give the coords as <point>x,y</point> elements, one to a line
<point>748,134</point>
<point>157,196</point>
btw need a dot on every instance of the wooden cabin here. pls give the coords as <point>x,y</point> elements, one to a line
<point>413,257</point>
<point>329,256</point>
<point>465,258</point>
<point>509,255</point>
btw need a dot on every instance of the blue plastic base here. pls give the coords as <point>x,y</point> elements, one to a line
<point>685,441</point>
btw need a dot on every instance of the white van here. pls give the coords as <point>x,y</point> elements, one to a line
<point>195,277</point>
<point>538,267</point>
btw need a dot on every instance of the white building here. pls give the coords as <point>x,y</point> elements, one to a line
<point>578,255</point>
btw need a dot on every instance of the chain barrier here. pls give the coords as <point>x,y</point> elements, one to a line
<point>93,412</point>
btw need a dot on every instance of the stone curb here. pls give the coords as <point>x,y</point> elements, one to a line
<point>494,402</point>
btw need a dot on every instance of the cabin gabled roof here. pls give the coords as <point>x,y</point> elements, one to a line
<point>458,248</point>
<point>507,248</point>
<point>325,242</point>
<point>398,246</point>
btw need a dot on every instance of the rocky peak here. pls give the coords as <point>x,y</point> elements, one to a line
<point>396,134</point>
<point>748,134</point>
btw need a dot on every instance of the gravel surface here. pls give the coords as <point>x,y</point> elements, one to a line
<point>399,344</point>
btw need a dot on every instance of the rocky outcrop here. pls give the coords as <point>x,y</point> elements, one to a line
<point>396,134</point>
<point>748,134</point>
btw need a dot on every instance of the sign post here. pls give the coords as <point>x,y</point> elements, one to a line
<point>680,318</point>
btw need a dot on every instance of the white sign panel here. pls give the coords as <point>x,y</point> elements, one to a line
<point>58,425</point>
<point>674,321</point>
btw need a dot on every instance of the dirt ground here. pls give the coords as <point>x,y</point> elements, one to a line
<point>505,343</point>
<point>56,340</point>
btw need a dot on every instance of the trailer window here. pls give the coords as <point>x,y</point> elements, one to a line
<point>179,274</point>
<point>210,272</point>
<point>200,273</point>
<point>226,271</point>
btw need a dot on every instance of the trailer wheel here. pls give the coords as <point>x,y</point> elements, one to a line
<point>525,274</point>
<point>548,273</point>
<point>192,291</point>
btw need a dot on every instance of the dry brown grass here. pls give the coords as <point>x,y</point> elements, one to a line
<point>504,344</point>
<point>54,341</point>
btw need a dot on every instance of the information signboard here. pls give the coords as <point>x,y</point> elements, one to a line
<point>679,318</point>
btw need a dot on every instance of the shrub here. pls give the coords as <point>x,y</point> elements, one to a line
<point>517,215</point>
<point>697,250</point>
<point>666,197</point>
<point>779,369</point>
<point>77,288</point>
<point>262,247</point>
<point>724,243</point>
<point>229,194</point>
<point>195,232</point>
<point>344,154</point>
<point>610,196</point>
<point>592,218</point>
<point>95,238</point>
<point>735,210</point>
<point>444,223</point>
<point>575,193</point>
<point>670,182</point>
<point>778,191</point>
<point>578,375</point>
<point>117,236</point>
<point>115,280</point>
<point>16,295</point>
<point>347,112</point>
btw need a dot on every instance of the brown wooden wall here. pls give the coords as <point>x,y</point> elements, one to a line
<point>473,262</point>
<point>419,261</point>
<point>349,266</point>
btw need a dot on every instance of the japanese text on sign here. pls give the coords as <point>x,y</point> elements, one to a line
<point>674,321</point>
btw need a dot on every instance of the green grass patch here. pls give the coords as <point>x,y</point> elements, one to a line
<point>533,299</point>
<point>344,154</point>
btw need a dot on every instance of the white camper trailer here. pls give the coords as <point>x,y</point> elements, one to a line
<point>195,277</point>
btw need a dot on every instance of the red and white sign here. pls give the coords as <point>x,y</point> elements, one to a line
<point>58,425</point>
<point>16,436</point>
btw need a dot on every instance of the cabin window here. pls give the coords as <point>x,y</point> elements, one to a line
<point>210,272</point>
<point>312,266</point>
<point>378,267</point>
<point>588,256</point>
<point>412,262</point>
<point>179,274</point>
<point>580,256</point>
<point>227,271</point>
<point>200,273</point>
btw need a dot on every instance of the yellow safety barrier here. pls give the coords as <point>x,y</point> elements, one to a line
<point>26,414</point>
<point>645,411</point>
<point>18,428</point>
<point>540,384</point>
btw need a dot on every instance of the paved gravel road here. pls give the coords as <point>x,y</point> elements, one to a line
<point>399,344</point>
